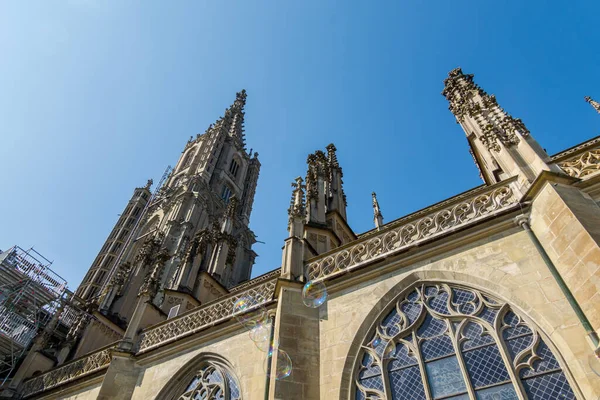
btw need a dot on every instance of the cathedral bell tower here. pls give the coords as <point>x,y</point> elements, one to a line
<point>193,241</point>
<point>500,144</point>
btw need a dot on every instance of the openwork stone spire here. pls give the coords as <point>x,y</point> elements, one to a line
<point>502,145</point>
<point>331,156</point>
<point>594,103</point>
<point>234,116</point>
<point>377,216</point>
<point>468,100</point>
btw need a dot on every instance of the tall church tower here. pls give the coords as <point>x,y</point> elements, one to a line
<point>193,241</point>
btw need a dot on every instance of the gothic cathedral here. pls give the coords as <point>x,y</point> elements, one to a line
<point>491,294</point>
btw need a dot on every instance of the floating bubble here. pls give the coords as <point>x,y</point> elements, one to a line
<point>390,349</point>
<point>314,294</point>
<point>278,364</point>
<point>248,312</point>
<point>261,333</point>
<point>376,341</point>
<point>268,346</point>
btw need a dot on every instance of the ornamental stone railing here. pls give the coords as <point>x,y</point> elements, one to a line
<point>75,369</point>
<point>582,165</point>
<point>276,273</point>
<point>202,317</point>
<point>581,161</point>
<point>441,219</point>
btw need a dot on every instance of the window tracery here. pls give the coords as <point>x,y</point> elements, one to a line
<point>441,341</point>
<point>211,382</point>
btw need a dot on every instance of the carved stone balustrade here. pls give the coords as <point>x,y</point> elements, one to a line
<point>435,221</point>
<point>581,161</point>
<point>205,316</point>
<point>76,369</point>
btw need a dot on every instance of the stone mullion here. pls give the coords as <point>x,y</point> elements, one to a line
<point>514,376</point>
<point>421,364</point>
<point>386,378</point>
<point>461,361</point>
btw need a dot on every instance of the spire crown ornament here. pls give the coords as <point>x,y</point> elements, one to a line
<point>297,205</point>
<point>377,216</point>
<point>593,103</point>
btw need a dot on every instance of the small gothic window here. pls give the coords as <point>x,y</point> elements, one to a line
<point>188,159</point>
<point>211,382</point>
<point>226,193</point>
<point>443,341</point>
<point>234,167</point>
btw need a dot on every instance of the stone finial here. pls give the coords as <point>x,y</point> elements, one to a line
<point>594,103</point>
<point>331,156</point>
<point>240,98</point>
<point>377,216</point>
<point>148,184</point>
<point>297,206</point>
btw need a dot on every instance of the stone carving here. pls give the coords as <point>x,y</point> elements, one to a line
<point>593,103</point>
<point>203,317</point>
<point>212,382</point>
<point>297,205</point>
<point>467,99</point>
<point>437,320</point>
<point>149,249</point>
<point>377,216</point>
<point>276,273</point>
<point>68,372</point>
<point>151,281</point>
<point>388,242</point>
<point>582,165</point>
<point>81,322</point>
<point>587,145</point>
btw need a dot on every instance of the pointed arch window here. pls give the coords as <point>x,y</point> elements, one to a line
<point>440,341</point>
<point>212,382</point>
<point>234,167</point>
<point>206,377</point>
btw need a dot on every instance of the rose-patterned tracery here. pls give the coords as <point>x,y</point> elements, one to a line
<point>441,341</point>
<point>212,382</point>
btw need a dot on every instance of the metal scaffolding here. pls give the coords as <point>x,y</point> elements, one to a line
<point>30,293</point>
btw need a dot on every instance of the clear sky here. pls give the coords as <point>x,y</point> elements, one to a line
<point>98,96</point>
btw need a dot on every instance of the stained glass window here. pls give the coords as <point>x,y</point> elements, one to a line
<point>212,382</point>
<point>443,341</point>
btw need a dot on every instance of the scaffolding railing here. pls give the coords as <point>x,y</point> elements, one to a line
<point>30,293</point>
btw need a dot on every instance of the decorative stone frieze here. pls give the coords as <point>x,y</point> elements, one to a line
<point>439,221</point>
<point>203,317</point>
<point>582,165</point>
<point>74,370</point>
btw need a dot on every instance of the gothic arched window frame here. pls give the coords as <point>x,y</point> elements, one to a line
<point>516,364</point>
<point>181,386</point>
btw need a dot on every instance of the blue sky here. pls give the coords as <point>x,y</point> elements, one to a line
<point>98,96</point>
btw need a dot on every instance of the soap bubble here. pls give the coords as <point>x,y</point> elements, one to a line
<point>261,333</point>
<point>376,341</point>
<point>390,349</point>
<point>268,346</point>
<point>248,312</point>
<point>282,368</point>
<point>314,294</point>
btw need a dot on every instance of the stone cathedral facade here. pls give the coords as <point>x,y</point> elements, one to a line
<point>490,294</point>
